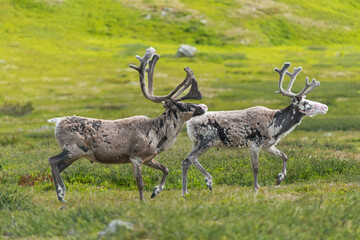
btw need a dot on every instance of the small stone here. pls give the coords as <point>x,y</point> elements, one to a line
<point>186,51</point>
<point>114,225</point>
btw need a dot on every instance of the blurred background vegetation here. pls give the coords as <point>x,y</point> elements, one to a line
<point>62,57</point>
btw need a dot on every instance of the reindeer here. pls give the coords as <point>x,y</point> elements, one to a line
<point>257,128</point>
<point>136,140</point>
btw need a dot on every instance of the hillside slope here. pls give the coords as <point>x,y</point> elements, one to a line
<point>62,57</point>
<point>234,22</point>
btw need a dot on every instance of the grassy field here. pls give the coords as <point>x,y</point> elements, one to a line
<point>60,57</point>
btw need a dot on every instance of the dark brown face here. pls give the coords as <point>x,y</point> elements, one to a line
<point>190,109</point>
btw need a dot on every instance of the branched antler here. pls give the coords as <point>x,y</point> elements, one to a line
<point>309,86</point>
<point>194,93</point>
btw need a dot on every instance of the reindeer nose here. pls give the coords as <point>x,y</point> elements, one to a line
<point>325,108</point>
<point>203,107</point>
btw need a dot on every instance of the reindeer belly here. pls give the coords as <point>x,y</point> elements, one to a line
<point>119,148</point>
<point>110,158</point>
<point>222,134</point>
<point>215,134</point>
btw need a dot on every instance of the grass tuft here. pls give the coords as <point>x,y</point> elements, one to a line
<point>13,199</point>
<point>16,109</point>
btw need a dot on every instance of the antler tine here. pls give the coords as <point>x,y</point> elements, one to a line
<point>186,83</point>
<point>282,72</point>
<point>309,86</point>
<point>150,72</point>
<point>144,61</point>
<point>293,77</point>
<point>150,52</point>
<point>182,89</point>
<point>194,92</point>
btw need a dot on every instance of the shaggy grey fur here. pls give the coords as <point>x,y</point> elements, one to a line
<point>136,140</point>
<point>257,128</point>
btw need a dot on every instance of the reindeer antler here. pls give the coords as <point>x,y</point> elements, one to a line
<point>194,93</point>
<point>309,86</point>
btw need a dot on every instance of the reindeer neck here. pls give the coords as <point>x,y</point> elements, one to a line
<point>168,126</point>
<point>286,119</point>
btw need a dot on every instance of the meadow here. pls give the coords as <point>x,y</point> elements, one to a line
<point>61,58</point>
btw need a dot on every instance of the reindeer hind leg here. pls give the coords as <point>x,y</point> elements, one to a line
<point>185,165</point>
<point>200,149</point>
<point>136,163</point>
<point>58,164</point>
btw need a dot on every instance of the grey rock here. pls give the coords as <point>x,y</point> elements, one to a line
<point>114,225</point>
<point>186,51</point>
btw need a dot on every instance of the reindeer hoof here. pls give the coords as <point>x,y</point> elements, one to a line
<point>279,179</point>
<point>184,194</point>
<point>62,200</point>
<point>208,184</point>
<point>155,192</point>
<point>153,195</point>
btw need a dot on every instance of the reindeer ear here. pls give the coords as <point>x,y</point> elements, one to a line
<point>295,100</point>
<point>167,104</point>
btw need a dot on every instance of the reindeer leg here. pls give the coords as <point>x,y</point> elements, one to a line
<point>193,156</point>
<point>276,152</point>
<point>185,165</point>
<point>58,163</point>
<point>254,154</point>
<point>137,168</point>
<point>156,165</point>
<point>63,165</point>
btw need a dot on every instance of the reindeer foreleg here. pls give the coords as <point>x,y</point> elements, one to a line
<point>276,152</point>
<point>156,165</point>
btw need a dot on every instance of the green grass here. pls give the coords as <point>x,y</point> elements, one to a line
<point>62,58</point>
<point>304,211</point>
<point>321,189</point>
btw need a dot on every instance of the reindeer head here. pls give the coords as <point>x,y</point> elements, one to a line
<point>172,100</point>
<point>187,110</point>
<point>304,106</point>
